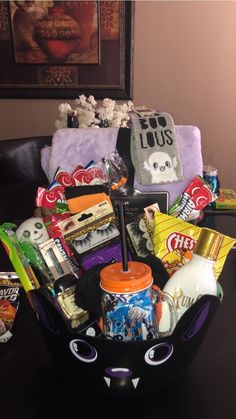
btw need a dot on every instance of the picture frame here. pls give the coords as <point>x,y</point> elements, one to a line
<point>31,68</point>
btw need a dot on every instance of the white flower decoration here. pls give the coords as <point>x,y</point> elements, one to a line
<point>109,114</point>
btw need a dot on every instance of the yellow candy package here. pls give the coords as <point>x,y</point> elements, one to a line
<point>174,240</point>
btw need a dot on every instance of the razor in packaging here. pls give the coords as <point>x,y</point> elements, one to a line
<point>65,290</point>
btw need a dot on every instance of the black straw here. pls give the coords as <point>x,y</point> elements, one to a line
<point>124,250</point>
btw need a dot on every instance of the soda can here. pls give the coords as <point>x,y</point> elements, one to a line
<point>210,174</point>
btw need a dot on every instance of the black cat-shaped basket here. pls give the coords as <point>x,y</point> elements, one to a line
<point>119,368</point>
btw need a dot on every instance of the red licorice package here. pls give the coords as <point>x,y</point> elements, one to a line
<point>64,178</point>
<point>195,197</point>
<point>47,198</point>
<point>197,202</point>
<point>97,170</point>
<point>92,175</point>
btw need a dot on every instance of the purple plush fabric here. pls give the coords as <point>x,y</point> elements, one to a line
<point>73,146</point>
<point>189,140</point>
<point>45,159</point>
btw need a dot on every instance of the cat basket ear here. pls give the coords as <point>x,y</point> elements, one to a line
<point>194,323</point>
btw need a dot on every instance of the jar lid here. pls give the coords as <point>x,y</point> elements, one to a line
<point>208,244</point>
<point>210,170</point>
<point>137,278</point>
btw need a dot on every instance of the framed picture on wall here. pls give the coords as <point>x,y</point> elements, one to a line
<point>61,49</point>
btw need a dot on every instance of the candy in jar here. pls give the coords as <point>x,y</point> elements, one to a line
<point>129,303</point>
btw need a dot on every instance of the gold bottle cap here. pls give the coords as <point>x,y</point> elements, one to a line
<point>208,244</point>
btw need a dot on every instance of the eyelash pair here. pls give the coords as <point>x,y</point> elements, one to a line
<point>140,238</point>
<point>105,232</point>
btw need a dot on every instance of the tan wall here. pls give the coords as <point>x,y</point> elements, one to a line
<point>184,63</point>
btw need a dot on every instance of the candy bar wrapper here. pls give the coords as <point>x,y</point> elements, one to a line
<point>9,302</point>
<point>48,198</point>
<point>195,197</point>
<point>110,252</point>
<point>140,236</point>
<point>174,241</point>
<point>90,228</point>
<point>227,199</point>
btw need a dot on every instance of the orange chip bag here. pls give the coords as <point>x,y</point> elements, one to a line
<point>9,302</point>
<point>174,240</point>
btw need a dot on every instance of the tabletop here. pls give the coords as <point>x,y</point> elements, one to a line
<point>32,388</point>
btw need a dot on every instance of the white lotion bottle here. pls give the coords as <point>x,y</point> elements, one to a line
<point>196,278</point>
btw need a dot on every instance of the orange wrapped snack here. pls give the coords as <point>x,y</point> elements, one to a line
<point>9,301</point>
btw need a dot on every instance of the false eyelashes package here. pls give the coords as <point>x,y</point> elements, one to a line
<point>90,228</point>
<point>140,237</point>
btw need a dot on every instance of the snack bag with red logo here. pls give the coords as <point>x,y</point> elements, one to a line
<point>174,240</point>
<point>195,197</point>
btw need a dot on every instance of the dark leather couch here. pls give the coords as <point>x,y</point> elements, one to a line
<point>21,174</point>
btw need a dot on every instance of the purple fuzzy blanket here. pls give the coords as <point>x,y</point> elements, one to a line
<point>72,147</point>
